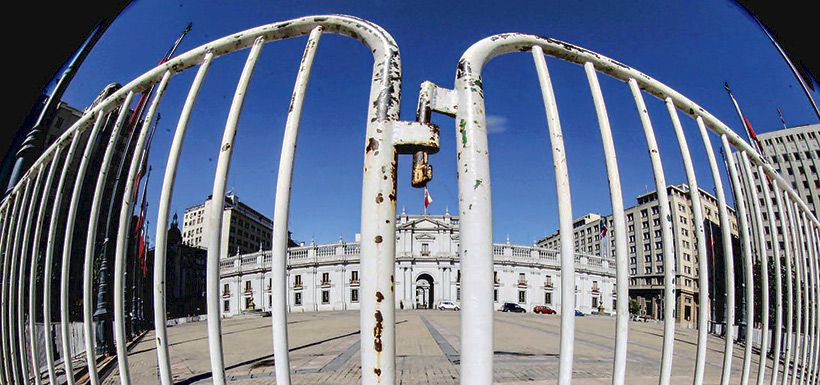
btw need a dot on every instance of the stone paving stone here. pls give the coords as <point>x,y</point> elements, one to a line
<point>325,350</point>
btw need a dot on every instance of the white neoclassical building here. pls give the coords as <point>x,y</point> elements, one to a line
<point>326,277</point>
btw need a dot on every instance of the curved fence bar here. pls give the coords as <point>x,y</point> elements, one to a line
<point>163,359</point>
<point>565,219</point>
<point>35,260</point>
<point>19,372</point>
<point>13,204</point>
<point>281,209</point>
<point>619,221</point>
<point>745,247</point>
<point>91,241</point>
<point>4,218</point>
<point>21,279</point>
<point>777,335</point>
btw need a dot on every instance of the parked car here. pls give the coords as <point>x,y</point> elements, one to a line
<point>448,305</point>
<point>513,307</point>
<point>579,313</point>
<point>542,310</point>
<point>638,318</point>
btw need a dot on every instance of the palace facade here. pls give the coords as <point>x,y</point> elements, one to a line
<point>326,277</point>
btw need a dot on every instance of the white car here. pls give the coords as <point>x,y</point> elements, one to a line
<point>448,305</point>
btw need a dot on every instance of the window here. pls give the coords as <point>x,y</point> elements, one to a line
<point>297,299</point>
<point>631,228</point>
<point>495,278</point>
<point>656,222</point>
<point>629,217</point>
<point>325,296</point>
<point>548,281</point>
<point>522,296</point>
<point>647,258</point>
<point>458,294</point>
<point>425,249</point>
<point>645,235</point>
<point>648,269</point>
<point>658,245</point>
<point>226,306</point>
<point>248,288</point>
<point>226,289</point>
<point>594,302</point>
<point>249,303</point>
<point>644,213</point>
<point>458,275</point>
<point>655,210</point>
<point>548,298</point>
<point>325,278</point>
<point>354,295</point>
<point>297,280</point>
<point>354,276</point>
<point>495,295</point>
<point>522,278</point>
<point>594,286</point>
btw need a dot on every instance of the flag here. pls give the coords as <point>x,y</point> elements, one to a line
<point>141,252</point>
<point>750,132</point>
<point>780,113</point>
<point>604,229</point>
<point>427,198</point>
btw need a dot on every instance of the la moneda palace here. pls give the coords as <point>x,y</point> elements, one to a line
<point>326,277</point>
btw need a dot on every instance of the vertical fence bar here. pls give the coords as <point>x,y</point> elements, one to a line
<point>91,241</point>
<point>47,269</point>
<point>123,234</point>
<point>10,219</point>
<point>618,219</point>
<point>815,244</point>
<point>777,331</point>
<point>21,279</point>
<point>68,240</point>
<point>559,159</point>
<point>4,218</point>
<point>215,217</point>
<point>666,236</point>
<point>35,256</point>
<point>475,248</point>
<point>281,209</point>
<point>729,270</point>
<point>782,203</point>
<point>794,291</point>
<point>807,288</point>
<point>160,249</point>
<point>17,362</point>
<point>700,236</point>
<point>797,241</point>
<point>757,220</point>
<point>813,294</point>
<point>745,248</point>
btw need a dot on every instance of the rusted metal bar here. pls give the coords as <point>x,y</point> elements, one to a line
<point>700,237</point>
<point>19,372</point>
<point>666,236</point>
<point>47,270</point>
<point>746,252</point>
<point>777,331</point>
<point>123,234</point>
<point>65,276</point>
<point>279,298</point>
<point>160,250</point>
<point>21,285</point>
<point>760,246</point>
<point>619,221</point>
<point>562,190</point>
<point>91,241</point>
<point>35,259</point>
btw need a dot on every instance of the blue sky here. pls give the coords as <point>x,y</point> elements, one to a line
<point>692,47</point>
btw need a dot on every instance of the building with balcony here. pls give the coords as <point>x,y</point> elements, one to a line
<point>326,277</point>
<point>244,229</point>
<point>645,249</point>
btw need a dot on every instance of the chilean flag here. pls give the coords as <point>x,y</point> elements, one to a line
<point>427,198</point>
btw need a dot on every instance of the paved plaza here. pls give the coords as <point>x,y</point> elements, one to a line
<point>324,349</point>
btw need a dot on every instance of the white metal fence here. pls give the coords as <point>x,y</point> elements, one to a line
<point>27,240</point>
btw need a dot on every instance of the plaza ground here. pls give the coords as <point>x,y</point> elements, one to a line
<point>324,349</point>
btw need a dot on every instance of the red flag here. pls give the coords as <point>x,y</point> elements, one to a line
<point>780,113</point>
<point>604,229</point>
<point>427,198</point>
<point>141,252</point>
